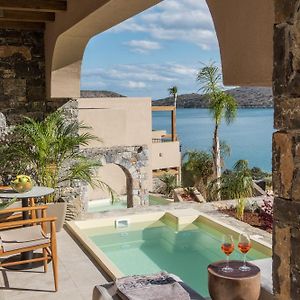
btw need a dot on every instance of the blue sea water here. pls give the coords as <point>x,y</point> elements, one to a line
<point>250,136</point>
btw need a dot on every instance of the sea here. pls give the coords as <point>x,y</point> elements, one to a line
<point>249,136</point>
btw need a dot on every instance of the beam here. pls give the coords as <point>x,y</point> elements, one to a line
<point>174,133</point>
<point>35,5</point>
<point>22,25</point>
<point>26,16</point>
<point>163,108</point>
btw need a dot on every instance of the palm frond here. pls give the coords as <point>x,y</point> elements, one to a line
<point>48,147</point>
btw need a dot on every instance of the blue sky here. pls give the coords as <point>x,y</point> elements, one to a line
<point>159,48</point>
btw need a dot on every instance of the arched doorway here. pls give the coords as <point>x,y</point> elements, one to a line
<point>118,179</point>
<point>132,160</point>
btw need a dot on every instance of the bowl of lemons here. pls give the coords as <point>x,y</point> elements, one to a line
<point>22,184</point>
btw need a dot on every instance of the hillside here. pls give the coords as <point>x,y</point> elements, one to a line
<point>247,97</point>
<point>99,94</point>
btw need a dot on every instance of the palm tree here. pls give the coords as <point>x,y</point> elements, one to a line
<point>170,184</point>
<point>237,184</point>
<point>49,151</point>
<point>221,105</point>
<point>173,91</point>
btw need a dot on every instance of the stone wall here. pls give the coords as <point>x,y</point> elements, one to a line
<point>286,150</point>
<point>22,74</point>
<point>3,126</point>
<point>133,160</point>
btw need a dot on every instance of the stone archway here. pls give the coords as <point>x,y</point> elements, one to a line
<point>132,160</point>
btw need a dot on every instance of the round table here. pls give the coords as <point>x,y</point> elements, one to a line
<point>235,285</point>
<point>35,193</point>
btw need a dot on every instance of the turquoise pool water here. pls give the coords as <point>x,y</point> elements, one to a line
<point>99,206</point>
<point>145,249</point>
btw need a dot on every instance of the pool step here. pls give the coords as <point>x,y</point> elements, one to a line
<point>182,217</point>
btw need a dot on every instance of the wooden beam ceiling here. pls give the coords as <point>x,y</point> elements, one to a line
<point>22,25</point>
<point>34,5</point>
<point>26,16</point>
<point>29,14</point>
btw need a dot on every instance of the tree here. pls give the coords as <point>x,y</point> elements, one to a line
<point>221,105</point>
<point>199,165</point>
<point>173,91</point>
<point>49,151</point>
<point>237,184</point>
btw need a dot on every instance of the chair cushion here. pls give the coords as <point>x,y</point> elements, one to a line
<point>24,237</point>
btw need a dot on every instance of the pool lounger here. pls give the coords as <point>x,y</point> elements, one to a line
<point>109,291</point>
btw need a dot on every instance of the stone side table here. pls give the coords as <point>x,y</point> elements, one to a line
<point>235,285</point>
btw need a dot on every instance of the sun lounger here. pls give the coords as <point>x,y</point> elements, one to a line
<point>134,288</point>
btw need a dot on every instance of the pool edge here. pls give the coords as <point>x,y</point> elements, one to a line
<point>181,216</point>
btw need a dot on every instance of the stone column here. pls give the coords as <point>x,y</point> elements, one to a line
<point>286,150</point>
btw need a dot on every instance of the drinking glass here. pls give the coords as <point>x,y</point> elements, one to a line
<point>244,246</point>
<point>227,247</point>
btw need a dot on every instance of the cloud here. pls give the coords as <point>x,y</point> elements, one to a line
<point>91,84</point>
<point>142,79</point>
<point>143,46</point>
<point>135,84</point>
<point>176,20</point>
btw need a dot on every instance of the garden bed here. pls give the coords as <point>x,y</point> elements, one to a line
<point>252,218</point>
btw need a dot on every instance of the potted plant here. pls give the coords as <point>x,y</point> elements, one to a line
<point>48,150</point>
<point>169,184</point>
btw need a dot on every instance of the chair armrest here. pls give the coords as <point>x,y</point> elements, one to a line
<point>21,209</point>
<point>26,222</point>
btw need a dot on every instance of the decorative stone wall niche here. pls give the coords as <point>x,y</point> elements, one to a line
<point>133,160</point>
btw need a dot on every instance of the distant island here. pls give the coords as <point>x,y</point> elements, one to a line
<point>247,97</point>
<point>99,94</point>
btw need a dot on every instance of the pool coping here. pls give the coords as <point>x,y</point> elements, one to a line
<point>180,216</point>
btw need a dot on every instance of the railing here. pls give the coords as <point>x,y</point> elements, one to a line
<point>161,140</point>
<point>164,139</point>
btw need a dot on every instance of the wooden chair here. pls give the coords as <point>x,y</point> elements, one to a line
<point>17,237</point>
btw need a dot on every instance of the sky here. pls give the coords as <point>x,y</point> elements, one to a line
<point>161,47</point>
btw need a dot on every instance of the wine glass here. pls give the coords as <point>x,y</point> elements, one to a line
<point>227,247</point>
<point>244,246</point>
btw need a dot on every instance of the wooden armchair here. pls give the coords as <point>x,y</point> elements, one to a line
<point>19,237</point>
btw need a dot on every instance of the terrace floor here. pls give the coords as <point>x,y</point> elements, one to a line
<point>77,277</point>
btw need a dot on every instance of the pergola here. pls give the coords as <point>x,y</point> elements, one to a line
<point>29,14</point>
<point>41,48</point>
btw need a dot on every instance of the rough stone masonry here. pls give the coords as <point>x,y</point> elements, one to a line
<point>22,74</point>
<point>286,150</point>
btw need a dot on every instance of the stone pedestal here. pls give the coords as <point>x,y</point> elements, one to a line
<point>235,285</point>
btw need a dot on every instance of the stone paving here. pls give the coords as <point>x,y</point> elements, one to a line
<point>77,277</point>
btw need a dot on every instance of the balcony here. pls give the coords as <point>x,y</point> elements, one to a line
<point>165,155</point>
